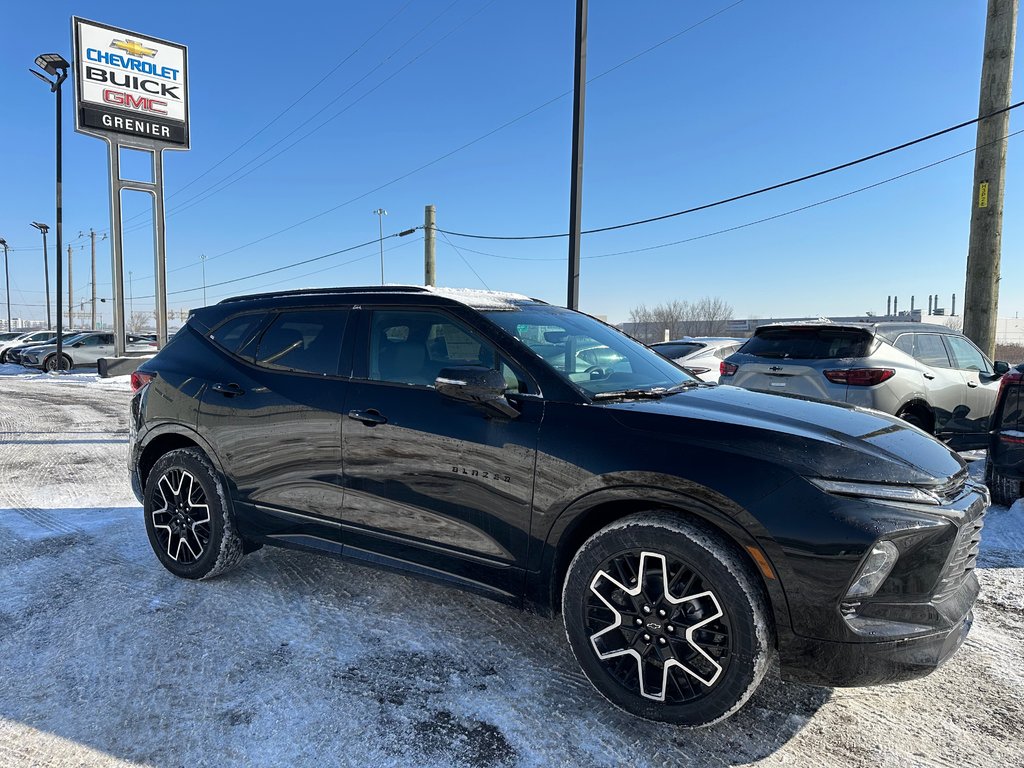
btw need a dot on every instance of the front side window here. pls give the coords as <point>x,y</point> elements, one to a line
<point>588,353</point>
<point>966,356</point>
<point>303,341</point>
<point>413,346</point>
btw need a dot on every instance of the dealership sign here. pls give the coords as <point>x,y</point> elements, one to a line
<point>130,87</point>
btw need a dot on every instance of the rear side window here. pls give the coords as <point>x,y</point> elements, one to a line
<point>929,349</point>
<point>723,352</point>
<point>305,341</point>
<point>813,343</point>
<point>235,332</point>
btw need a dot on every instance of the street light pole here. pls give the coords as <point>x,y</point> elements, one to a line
<point>44,228</point>
<point>381,213</point>
<point>202,259</point>
<point>57,67</point>
<point>7,277</point>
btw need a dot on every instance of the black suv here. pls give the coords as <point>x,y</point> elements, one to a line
<point>1004,470</point>
<point>686,532</point>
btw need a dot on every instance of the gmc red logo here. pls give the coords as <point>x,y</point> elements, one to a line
<point>122,99</point>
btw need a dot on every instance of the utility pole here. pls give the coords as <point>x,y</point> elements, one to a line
<point>92,238</point>
<point>7,279</point>
<point>71,292</point>
<point>576,180</point>
<point>131,297</point>
<point>381,213</point>
<point>981,299</point>
<point>429,244</point>
<point>202,259</point>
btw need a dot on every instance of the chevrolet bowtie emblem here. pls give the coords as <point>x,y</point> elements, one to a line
<point>133,48</point>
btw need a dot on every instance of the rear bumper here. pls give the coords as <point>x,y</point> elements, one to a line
<point>837,664</point>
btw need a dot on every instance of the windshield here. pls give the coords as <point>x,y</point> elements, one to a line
<point>673,350</point>
<point>9,336</point>
<point>593,356</point>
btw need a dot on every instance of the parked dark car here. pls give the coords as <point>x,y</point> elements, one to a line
<point>1005,466</point>
<point>686,532</point>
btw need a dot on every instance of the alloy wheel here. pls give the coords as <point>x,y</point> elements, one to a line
<point>657,626</point>
<point>182,524</point>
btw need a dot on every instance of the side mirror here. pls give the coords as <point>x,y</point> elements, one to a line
<point>477,386</point>
<point>999,367</point>
<point>77,344</point>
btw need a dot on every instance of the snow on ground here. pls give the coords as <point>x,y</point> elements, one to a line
<point>299,660</point>
<point>75,377</point>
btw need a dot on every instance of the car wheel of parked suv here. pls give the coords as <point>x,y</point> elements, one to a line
<point>189,524</point>
<point>666,620</point>
<point>50,363</point>
<point>1005,490</point>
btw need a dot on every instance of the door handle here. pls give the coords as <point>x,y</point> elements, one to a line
<point>229,390</point>
<point>928,376</point>
<point>972,384</point>
<point>370,417</point>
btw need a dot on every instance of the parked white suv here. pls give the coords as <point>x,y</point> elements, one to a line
<point>84,349</point>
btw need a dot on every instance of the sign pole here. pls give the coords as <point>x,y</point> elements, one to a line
<point>159,248</point>
<point>117,262</point>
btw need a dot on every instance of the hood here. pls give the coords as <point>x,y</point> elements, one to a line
<point>838,442</point>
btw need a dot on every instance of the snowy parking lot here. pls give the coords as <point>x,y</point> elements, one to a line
<point>292,659</point>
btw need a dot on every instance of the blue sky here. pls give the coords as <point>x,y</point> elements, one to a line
<point>762,92</point>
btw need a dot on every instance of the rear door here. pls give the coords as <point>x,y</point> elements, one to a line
<point>272,405</point>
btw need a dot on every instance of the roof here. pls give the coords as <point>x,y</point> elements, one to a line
<point>477,299</point>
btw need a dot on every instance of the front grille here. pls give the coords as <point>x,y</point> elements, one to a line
<point>953,488</point>
<point>962,559</point>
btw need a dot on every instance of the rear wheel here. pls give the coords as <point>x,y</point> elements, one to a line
<point>188,522</point>
<point>666,620</point>
<point>917,419</point>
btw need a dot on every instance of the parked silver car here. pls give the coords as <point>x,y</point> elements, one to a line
<point>929,375</point>
<point>84,349</point>
<point>700,355</point>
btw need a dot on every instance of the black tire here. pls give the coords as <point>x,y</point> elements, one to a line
<point>1005,490</point>
<point>50,362</point>
<point>917,420</point>
<point>730,629</point>
<point>189,541</point>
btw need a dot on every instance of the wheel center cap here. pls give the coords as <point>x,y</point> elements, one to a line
<point>654,627</point>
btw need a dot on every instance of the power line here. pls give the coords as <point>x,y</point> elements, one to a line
<point>749,223</point>
<point>291,106</point>
<point>219,186</point>
<point>745,195</point>
<point>465,261</point>
<point>478,139</point>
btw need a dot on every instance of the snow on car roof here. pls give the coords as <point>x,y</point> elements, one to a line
<point>481,299</point>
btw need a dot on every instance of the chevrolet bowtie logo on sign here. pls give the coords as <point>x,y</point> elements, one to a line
<point>130,87</point>
<point>134,48</point>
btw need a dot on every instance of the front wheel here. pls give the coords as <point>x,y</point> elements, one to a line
<point>188,522</point>
<point>50,363</point>
<point>666,620</point>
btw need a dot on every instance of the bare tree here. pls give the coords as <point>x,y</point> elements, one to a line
<point>705,317</point>
<point>956,322</point>
<point>138,321</point>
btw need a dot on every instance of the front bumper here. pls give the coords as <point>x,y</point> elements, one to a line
<point>834,664</point>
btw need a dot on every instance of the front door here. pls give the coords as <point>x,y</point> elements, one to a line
<point>980,395</point>
<point>435,485</point>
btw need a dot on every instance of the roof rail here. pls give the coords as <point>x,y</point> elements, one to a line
<point>320,291</point>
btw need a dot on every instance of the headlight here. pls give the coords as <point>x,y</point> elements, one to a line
<point>876,568</point>
<point>904,493</point>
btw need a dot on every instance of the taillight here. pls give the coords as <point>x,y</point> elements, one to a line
<point>859,377</point>
<point>727,369</point>
<point>140,379</point>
